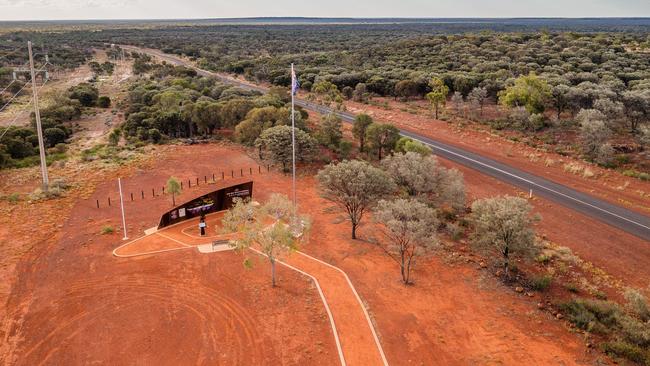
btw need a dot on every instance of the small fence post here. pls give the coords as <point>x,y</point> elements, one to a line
<point>153,192</point>
<point>213,177</point>
<point>268,168</point>
<point>251,170</point>
<point>163,190</point>
<point>131,196</point>
<point>205,179</point>
<point>259,169</point>
<point>189,183</point>
<point>241,172</point>
<point>97,203</point>
<point>232,173</point>
<point>142,193</point>
<point>223,176</point>
<point>197,181</point>
<point>109,201</point>
<point>181,184</point>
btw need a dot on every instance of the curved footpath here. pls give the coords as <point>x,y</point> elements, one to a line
<point>614,215</point>
<point>357,341</point>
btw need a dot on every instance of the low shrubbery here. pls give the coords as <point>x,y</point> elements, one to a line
<point>541,283</point>
<point>627,334</point>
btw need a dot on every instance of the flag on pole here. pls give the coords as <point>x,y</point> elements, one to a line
<point>295,84</point>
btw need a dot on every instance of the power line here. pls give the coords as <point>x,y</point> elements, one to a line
<point>21,112</point>
<point>21,89</point>
<point>13,80</point>
<point>7,87</point>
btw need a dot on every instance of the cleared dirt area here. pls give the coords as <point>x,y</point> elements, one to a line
<point>180,308</point>
<point>70,288</point>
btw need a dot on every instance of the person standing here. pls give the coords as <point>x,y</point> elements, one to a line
<point>202,225</point>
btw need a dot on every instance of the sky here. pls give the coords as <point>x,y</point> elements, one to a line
<point>188,9</point>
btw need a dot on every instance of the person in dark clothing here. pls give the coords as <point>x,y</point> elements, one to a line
<point>202,225</point>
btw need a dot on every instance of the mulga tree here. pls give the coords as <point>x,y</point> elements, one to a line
<point>361,123</point>
<point>438,95</point>
<point>503,225</point>
<point>274,229</point>
<point>381,138</point>
<point>423,178</point>
<point>355,186</point>
<point>173,187</point>
<point>275,144</point>
<point>410,229</point>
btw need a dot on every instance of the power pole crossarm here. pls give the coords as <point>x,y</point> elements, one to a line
<point>37,114</point>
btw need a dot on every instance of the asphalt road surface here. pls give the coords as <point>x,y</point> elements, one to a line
<point>614,215</point>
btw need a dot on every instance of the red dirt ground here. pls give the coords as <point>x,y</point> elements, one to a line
<point>74,303</point>
<point>357,343</point>
<point>73,290</point>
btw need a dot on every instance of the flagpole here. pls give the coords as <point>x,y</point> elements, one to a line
<point>293,135</point>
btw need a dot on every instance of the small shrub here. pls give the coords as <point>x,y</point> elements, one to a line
<point>622,159</point>
<point>455,231</point>
<point>572,287</point>
<point>628,351</point>
<point>155,135</point>
<point>541,283</point>
<point>39,194</point>
<point>544,258</point>
<point>104,102</point>
<point>107,230</point>
<point>592,315</point>
<point>605,155</point>
<point>344,148</point>
<point>13,198</point>
<point>60,148</point>
<point>638,304</point>
<point>573,168</point>
<point>636,174</point>
<point>588,173</point>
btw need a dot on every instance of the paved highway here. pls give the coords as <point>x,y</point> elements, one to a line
<point>614,215</point>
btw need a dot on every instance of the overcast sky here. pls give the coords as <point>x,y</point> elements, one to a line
<point>177,9</point>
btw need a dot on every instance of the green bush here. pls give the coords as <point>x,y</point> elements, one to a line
<point>107,230</point>
<point>114,137</point>
<point>541,283</point>
<point>59,148</point>
<point>54,136</point>
<point>85,93</point>
<point>636,174</point>
<point>572,287</point>
<point>104,101</point>
<point>592,315</point>
<point>155,135</point>
<point>344,148</point>
<point>13,198</point>
<point>638,304</point>
<point>19,149</point>
<point>628,351</point>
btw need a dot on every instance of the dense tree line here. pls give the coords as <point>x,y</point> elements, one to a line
<point>56,122</point>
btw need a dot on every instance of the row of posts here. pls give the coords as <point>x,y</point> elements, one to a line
<point>189,182</point>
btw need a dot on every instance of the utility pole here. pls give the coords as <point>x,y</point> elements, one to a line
<point>293,136</point>
<point>37,114</point>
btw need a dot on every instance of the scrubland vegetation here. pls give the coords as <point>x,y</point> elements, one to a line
<point>19,145</point>
<point>586,94</point>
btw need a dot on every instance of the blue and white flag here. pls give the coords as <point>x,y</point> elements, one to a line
<point>295,84</point>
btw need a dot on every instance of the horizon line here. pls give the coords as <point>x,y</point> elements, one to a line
<point>332,18</point>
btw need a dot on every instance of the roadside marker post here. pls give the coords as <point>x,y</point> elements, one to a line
<point>119,184</point>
